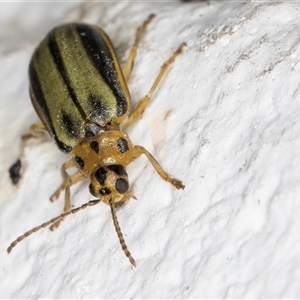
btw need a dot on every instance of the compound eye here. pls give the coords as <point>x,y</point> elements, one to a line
<point>121,185</point>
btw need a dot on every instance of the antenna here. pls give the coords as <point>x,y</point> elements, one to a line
<point>54,220</point>
<point>119,232</point>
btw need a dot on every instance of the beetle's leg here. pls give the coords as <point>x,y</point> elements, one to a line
<point>75,178</point>
<point>132,54</point>
<point>145,101</point>
<point>65,176</point>
<point>139,150</point>
<point>35,131</point>
<point>68,181</point>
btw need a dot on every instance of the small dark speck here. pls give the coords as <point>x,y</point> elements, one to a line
<point>14,172</point>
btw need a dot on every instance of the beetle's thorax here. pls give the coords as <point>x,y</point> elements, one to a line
<point>107,148</point>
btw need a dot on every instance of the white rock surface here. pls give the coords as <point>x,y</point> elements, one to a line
<point>225,121</point>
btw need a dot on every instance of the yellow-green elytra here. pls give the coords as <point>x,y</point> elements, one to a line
<point>76,84</point>
<point>79,91</point>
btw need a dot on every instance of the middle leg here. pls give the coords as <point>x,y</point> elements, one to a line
<point>145,101</point>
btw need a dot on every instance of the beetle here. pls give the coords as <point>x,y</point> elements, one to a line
<point>79,91</point>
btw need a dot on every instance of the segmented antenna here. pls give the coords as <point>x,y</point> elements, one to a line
<point>119,232</point>
<point>54,220</point>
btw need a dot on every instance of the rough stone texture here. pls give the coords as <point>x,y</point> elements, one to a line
<point>225,121</point>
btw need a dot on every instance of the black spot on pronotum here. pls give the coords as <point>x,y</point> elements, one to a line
<point>101,175</point>
<point>118,169</point>
<point>121,185</point>
<point>122,145</point>
<point>79,161</point>
<point>14,171</point>
<point>105,191</point>
<point>95,146</point>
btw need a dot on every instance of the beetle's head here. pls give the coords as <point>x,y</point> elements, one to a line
<point>110,182</point>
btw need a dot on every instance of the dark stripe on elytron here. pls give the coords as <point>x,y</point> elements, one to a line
<point>41,104</point>
<point>98,105</point>
<point>118,169</point>
<point>57,58</point>
<point>100,56</point>
<point>72,130</point>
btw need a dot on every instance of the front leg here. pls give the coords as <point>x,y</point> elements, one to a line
<point>65,176</point>
<point>68,181</point>
<point>139,150</point>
